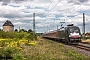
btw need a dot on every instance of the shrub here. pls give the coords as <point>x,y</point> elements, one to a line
<point>18,35</point>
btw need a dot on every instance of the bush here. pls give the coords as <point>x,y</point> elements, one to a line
<point>10,46</point>
<point>7,34</point>
<point>18,35</point>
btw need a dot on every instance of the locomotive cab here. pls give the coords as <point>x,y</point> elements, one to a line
<point>74,35</point>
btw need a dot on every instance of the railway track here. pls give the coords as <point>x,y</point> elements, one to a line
<point>85,42</point>
<point>81,48</point>
<point>87,48</point>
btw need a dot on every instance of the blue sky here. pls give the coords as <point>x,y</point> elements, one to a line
<point>48,13</point>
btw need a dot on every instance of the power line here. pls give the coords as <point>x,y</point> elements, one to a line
<point>55,5</point>
<point>49,5</point>
<point>47,8</point>
<point>78,13</point>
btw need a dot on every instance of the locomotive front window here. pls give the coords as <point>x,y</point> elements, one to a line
<point>74,30</point>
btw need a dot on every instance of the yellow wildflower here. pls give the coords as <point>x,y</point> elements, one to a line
<point>1,47</point>
<point>23,41</point>
<point>32,43</point>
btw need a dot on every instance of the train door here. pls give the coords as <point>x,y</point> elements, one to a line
<point>66,35</point>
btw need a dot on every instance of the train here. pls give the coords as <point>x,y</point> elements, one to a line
<point>70,34</point>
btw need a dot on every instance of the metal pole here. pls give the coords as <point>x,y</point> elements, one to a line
<point>34,25</point>
<point>57,27</point>
<point>19,28</point>
<point>83,23</point>
<point>54,23</point>
<point>47,28</point>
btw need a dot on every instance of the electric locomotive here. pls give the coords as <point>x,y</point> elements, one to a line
<point>70,34</point>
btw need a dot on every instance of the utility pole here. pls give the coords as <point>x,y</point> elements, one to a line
<point>34,25</point>
<point>57,27</point>
<point>83,23</point>
<point>19,28</point>
<point>54,23</point>
<point>47,28</point>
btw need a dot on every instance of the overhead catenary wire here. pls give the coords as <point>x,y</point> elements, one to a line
<point>49,4</point>
<point>47,7</point>
<point>54,7</point>
<point>82,12</point>
<point>77,14</point>
<point>66,14</point>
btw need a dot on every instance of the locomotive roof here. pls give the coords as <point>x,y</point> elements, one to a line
<point>71,26</point>
<point>66,27</point>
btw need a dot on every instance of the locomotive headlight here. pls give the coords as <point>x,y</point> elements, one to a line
<point>70,34</point>
<point>80,36</point>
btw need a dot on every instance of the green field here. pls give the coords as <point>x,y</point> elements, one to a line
<point>22,46</point>
<point>50,50</point>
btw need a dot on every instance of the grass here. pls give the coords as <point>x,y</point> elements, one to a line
<point>41,49</point>
<point>50,50</point>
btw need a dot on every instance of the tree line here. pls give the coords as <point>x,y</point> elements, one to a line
<point>21,30</point>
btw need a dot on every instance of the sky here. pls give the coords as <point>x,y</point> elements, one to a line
<point>48,14</point>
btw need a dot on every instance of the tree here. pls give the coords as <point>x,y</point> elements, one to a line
<point>29,31</point>
<point>16,30</point>
<point>0,29</point>
<point>22,30</point>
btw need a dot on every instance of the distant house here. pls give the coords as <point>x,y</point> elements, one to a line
<point>8,26</point>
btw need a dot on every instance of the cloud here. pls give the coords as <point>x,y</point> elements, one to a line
<point>20,13</point>
<point>6,2</point>
<point>44,1</point>
<point>83,1</point>
<point>12,12</point>
<point>77,1</point>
